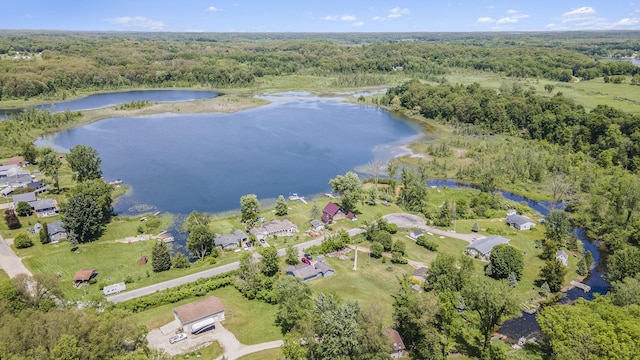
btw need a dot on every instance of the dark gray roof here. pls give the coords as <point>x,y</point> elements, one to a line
<point>230,239</point>
<point>26,197</point>
<point>323,267</point>
<point>316,223</point>
<point>518,220</point>
<point>43,204</point>
<point>484,246</point>
<point>422,271</point>
<point>55,228</point>
<point>302,271</point>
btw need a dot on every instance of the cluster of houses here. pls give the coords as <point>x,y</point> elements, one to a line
<point>22,186</point>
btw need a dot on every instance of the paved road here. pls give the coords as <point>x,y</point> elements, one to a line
<point>10,262</point>
<point>413,221</point>
<point>132,294</point>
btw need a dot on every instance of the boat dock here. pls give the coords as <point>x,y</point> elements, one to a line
<point>586,288</point>
<point>295,197</point>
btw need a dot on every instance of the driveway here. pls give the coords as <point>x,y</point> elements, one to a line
<point>132,294</point>
<point>416,222</point>
<point>10,262</point>
<point>233,349</point>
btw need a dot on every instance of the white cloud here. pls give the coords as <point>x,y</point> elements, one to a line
<point>485,19</point>
<point>347,18</point>
<point>507,20</point>
<point>358,24</point>
<point>511,11</point>
<point>626,22</point>
<point>344,17</point>
<point>378,18</point>
<point>212,9</point>
<point>585,10</point>
<point>490,7</point>
<point>330,17</point>
<point>138,22</point>
<point>396,12</point>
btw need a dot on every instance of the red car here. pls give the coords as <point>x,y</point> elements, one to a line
<point>306,261</point>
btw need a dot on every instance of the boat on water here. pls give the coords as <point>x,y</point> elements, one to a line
<point>165,237</point>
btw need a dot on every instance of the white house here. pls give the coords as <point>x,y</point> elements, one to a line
<point>520,222</point>
<point>563,257</point>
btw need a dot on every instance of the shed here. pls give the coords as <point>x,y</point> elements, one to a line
<point>84,276</point>
<point>317,225</point>
<point>520,222</point>
<point>143,260</point>
<point>399,350</point>
<point>205,309</point>
<point>56,232</point>
<point>562,257</point>
<point>484,246</point>
<point>416,234</point>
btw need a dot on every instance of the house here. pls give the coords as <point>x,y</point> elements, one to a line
<point>420,274</point>
<point>115,288</point>
<point>519,222</point>
<point>8,170</point>
<point>399,350</point>
<point>36,186</point>
<point>210,308</point>
<point>415,234</point>
<point>16,160</point>
<point>302,271</point>
<point>230,241</point>
<point>56,232</point>
<point>6,191</point>
<point>16,181</point>
<point>562,257</point>
<point>307,272</point>
<point>26,197</point>
<point>332,212</point>
<point>482,248</point>
<point>317,225</point>
<point>275,227</point>
<point>351,216</point>
<point>84,276</point>
<point>45,207</point>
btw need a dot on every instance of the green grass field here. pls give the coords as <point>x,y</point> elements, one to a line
<point>271,354</point>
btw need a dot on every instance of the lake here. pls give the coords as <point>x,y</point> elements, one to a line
<point>206,162</point>
<point>98,101</point>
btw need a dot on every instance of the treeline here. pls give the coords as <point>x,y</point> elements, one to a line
<point>604,133</point>
<point>21,128</point>
<point>64,62</point>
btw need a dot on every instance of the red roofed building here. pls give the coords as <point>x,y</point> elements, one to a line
<point>84,276</point>
<point>16,160</point>
<point>331,213</point>
<point>399,350</point>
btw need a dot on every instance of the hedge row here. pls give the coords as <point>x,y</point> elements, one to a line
<point>200,287</point>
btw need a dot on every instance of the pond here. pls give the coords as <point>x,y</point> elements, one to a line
<point>206,162</point>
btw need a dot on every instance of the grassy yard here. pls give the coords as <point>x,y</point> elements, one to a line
<point>373,282</point>
<point>251,321</point>
<point>271,354</point>
<point>210,352</point>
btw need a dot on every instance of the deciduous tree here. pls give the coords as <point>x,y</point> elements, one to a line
<point>200,241</point>
<point>553,273</point>
<point>23,208</point>
<point>50,164</point>
<point>82,216</point>
<point>270,261</point>
<point>294,303</point>
<point>350,189</point>
<point>249,209</point>
<point>195,218</point>
<point>506,260</point>
<point>85,162</point>
<point>291,257</point>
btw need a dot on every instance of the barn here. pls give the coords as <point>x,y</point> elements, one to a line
<point>210,308</point>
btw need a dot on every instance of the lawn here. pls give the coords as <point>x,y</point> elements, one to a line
<point>209,352</point>
<point>271,354</point>
<point>251,321</point>
<point>373,283</point>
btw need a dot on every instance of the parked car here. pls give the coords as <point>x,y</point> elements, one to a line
<point>306,261</point>
<point>262,241</point>
<point>308,256</point>
<point>178,337</point>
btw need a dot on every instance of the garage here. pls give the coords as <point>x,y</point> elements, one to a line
<point>208,310</point>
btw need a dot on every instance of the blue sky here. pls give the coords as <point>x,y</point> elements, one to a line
<point>319,16</point>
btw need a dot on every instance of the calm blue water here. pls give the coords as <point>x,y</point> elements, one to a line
<point>98,101</point>
<point>206,162</point>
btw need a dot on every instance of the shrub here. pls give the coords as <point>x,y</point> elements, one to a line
<point>180,261</point>
<point>11,219</point>
<point>397,258</point>
<point>429,245</point>
<point>376,250</point>
<point>23,241</point>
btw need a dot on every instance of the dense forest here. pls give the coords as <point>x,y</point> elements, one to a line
<point>50,65</point>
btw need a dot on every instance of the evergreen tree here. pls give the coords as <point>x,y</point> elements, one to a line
<point>314,213</point>
<point>512,280</point>
<point>11,219</point>
<point>475,227</point>
<point>582,269</point>
<point>281,206</point>
<point>160,257</point>
<point>553,273</point>
<point>180,261</point>
<point>44,234</point>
